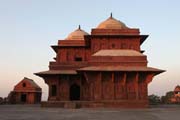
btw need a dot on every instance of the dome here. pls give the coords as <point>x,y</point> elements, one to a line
<point>112,23</point>
<point>78,34</point>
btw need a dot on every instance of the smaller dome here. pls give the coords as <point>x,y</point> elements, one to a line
<point>78,34</point>
<point>112,23</point>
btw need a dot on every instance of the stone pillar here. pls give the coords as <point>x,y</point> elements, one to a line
<point>91,82</point>
<point>100,85</point>
<point>97,87</point>
<point>86,87</point>
<point>124,85</point>
<point>113,86</point>
<point>49,96</point>
<point>46,80</point>
<point>58,88</point>
<point>136,82</point>
<point>91,90</point>
<point>148,79</point>
<point>55,81</point>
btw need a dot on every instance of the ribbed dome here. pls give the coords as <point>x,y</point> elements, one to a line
<point>112,23</point>
<point>78,34</point>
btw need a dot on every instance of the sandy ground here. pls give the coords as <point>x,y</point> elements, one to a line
<point>35,112</point>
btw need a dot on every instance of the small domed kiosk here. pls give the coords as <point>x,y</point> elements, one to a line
<point>78,34</point>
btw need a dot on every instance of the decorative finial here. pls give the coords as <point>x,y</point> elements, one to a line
<point>111,15</point>
<point>79,27</point>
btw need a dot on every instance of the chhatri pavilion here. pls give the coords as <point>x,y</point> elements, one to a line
<point>106,68</point>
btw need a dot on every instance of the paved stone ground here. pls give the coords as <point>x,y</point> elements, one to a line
<point>35,112</point>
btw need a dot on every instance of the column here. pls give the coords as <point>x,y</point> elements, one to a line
<point>112,86</point>
<point>148,79</point>
<point>58,88</point>
<point>124,77</point>
<point>46,80</point>
<point>136,82</point>
<point>97,87</point>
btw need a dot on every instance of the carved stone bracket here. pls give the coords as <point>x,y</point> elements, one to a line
<point>86,77</point>
<point>149,77</point>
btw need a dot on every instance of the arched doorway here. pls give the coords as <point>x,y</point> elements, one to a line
<point>75,92</point>
<point>23,98</point>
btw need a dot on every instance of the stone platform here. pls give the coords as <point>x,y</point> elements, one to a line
<point>97,104</point>
<point>35,112</point>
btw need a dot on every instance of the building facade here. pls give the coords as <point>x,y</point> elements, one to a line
<point>176,96</point>
<point>106,68</point>
<point>25,92</point>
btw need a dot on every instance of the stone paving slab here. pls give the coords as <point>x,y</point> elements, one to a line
<point>35,112</point>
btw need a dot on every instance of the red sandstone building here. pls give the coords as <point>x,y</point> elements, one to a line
<point>106,68</point>
<point>26,92</point>
<point>176,97</point>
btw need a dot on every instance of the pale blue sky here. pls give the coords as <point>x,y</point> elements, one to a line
<point>29,27</point>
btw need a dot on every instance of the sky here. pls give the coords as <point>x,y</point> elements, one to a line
<point>29,27</point>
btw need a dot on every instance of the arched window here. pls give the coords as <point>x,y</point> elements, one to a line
<point>24,84</point>
<point>113,46</point>
<point>78,59</point>
<point>75,92</point>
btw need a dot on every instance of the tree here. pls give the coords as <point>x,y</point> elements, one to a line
<point>1,100</point>
<point>163,99</point>
<point>167,98</point>
<point>154,99</point>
